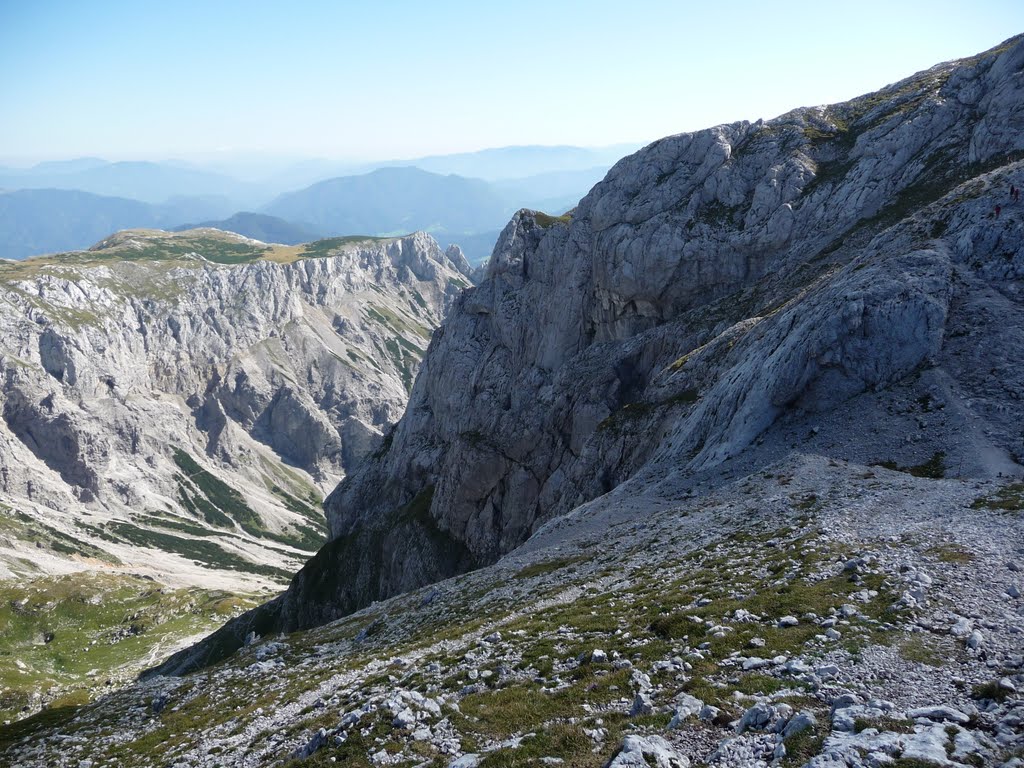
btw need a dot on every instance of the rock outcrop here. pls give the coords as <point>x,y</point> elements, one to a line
<point>162,387</point>
<point>717,299</point>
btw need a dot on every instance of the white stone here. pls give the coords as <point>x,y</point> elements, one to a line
<point>941,713</point>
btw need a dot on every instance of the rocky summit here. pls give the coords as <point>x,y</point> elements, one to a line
<point>176,404</point>
<point>721,468</point>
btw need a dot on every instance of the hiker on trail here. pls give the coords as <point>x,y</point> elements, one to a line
<point>998,209</point>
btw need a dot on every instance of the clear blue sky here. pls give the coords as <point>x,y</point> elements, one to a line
<point>399,78</point>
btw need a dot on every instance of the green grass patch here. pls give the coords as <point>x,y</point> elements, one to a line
<point>396,323</point>
<point>216,249</point>
<point>717,214</point>
<point>175,524</point>
<point>991,691</point>
<point>754,683</point>
<point>883,724</point>
<point>1009,498</point>
<point>201,551</point>
<point>686,397</point>
<point>921,651</point>
<point>221,495</point>
<point>547,566</point>
<point>565,741</point>
<point>515,709</point>
<point>30,530</point>
<point>521,708</point>
<point>403,360</point>
<point>49,719</point>
<point>950,553</point>
<point>71,633</point>
<point>629,411</point>
<point>801,747</point>
<point>331,245</point>
<point>934,468</point>
<point>220,504</point>
<point>546,221</point>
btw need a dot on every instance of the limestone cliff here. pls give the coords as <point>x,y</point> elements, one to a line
<point>193,393</point>
<point>719,298</point>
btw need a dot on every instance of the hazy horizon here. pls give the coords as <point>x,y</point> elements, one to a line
<point>314,80</point>
<point>206,159</point>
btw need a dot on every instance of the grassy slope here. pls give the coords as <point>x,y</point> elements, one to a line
<point>69,637</point>
<point>548,613</point>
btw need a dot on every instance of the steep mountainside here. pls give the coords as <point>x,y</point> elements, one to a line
<point>173,404</point>
<point>722,469</point>
<point>719,299</point>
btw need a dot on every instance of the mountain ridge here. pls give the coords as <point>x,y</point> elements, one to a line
<point>146,397</point>
<point>631,295</point>
<point>722,467</point>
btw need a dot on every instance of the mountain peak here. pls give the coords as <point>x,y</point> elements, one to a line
<point>713,287</point>
<point>674,482</point>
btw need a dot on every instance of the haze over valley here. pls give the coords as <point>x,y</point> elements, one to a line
<point>71,205</point>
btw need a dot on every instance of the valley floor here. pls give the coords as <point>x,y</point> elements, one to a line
<point>817,613</point>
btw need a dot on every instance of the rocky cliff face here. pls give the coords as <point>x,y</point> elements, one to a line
<point>835,279</point>
<point>193,393</point>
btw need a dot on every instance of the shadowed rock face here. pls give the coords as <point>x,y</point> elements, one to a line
<point>120,361</point>
<point>54,439</point>
<point>716,289</point>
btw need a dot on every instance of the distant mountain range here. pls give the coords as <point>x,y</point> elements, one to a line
<point>35,221</point>
<point>394,201</point>
<point>462,198</point>
<point>145,181</point>
<point>259,226</point>
<point>504,163</point>
<point>497,164</point>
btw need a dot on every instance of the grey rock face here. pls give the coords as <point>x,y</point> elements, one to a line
<point>645,752</point>
<point>713,295</point>
<point>274,378</point>
<point>641,705</point>
<point>458,259</point>
<point>799,723</point>
<point>940,713</point>
<point>686,706</point>
<point>759,717</point>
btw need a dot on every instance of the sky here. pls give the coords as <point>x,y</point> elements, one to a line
<point>404,78</point>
